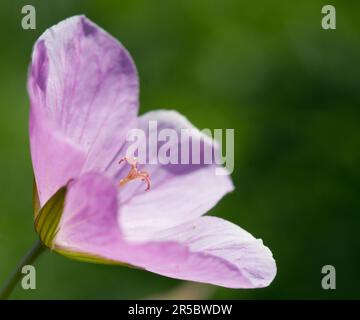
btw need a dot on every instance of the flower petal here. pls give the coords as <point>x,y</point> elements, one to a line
<point>48,147</point>
<point>207,249</point>
<point>179,192</point>
<point>219,252</point>
<point>89,225</point>
<point>84,84</point>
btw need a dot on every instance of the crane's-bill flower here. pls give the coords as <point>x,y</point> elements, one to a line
<point>83,88</point>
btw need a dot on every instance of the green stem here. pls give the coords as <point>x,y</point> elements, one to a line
<point>16,275</point>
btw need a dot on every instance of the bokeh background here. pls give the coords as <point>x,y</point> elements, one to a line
<point>289,88</point>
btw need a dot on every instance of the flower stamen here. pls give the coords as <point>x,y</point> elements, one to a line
<point>134,173</point>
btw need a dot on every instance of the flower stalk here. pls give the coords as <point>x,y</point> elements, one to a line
<point>28,259</point>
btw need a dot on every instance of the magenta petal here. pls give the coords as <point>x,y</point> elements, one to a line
<point>84,84</point>
<point>219,252</point>
<point>89,224</point>
<point>90,214</point>
<point>48,148</point>
<point>206,249</point>
<point>179,192</point>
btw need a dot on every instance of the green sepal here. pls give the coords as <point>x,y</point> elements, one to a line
<point>88,257</point>
<point>35,200</point>
<point>48,218</point>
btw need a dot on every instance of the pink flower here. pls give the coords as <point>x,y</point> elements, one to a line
<point>83,89</point>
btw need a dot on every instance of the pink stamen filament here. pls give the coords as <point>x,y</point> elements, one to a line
<point>134,173</point>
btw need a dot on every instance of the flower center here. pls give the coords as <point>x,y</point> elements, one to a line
<point>134,173</point>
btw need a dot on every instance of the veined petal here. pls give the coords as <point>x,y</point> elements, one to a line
<point>84,85</point>
<point>89,218</point>
<point>206,249</point>
<point>89,226</point>
<point>179,192</point>
<point>219,252</point>
<point>55,158</point>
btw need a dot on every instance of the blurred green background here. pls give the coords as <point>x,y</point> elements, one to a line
<point>289,88</point>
